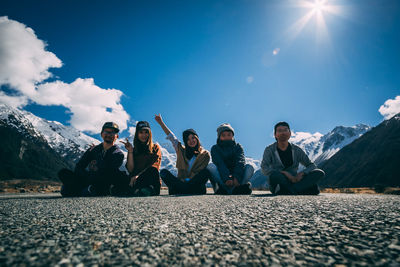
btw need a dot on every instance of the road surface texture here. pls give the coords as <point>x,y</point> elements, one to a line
<point>329,229</point>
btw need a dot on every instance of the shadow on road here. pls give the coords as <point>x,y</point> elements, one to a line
<point>263,195</point>
<point>28,197</point>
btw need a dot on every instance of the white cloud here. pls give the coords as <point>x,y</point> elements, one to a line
<point>24,61</point>
<point>13,101</point>
<point>390,108</point>
<point>89,104</point>
<point>24,66</point>
<point>249,79</point>
<point>132,131</point>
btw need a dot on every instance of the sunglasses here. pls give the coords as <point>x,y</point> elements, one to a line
<point>109,132</point>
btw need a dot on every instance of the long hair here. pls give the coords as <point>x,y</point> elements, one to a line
<point>139,147</point>
<point>189,151</point>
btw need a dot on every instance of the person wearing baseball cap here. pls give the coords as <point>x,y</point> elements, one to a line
<point>97,169</point>
<point>191,161</point>
<point>143,164</point>
<point>229,171</point>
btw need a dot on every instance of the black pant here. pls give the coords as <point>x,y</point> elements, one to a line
<point>148,179</point>
<point>287,187</point>
<point>195,186</point>
<point>76,185</point>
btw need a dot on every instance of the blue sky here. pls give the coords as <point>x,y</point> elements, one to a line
<point>202,63</point>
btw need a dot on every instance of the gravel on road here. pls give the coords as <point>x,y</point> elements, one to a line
<point>259,230</point>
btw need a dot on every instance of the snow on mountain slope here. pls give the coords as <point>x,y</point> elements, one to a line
<point>66,140</point>
<point>321,147</point>
<point>256,163</point>
<point>168,160</point>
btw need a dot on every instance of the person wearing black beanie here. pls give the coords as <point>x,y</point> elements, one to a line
<point>191,161</point>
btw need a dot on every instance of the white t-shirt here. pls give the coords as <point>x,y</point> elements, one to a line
<point>174,141</point>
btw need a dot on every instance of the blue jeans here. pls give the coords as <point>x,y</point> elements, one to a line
<point>216,177</point>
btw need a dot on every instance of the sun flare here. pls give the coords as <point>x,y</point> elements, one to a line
<point>317,11</point>
<point>318,6</point>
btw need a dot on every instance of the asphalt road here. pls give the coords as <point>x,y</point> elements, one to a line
<point>257,230</point>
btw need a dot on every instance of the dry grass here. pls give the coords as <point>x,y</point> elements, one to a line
<point>362,190</point>
<point>29,186</point>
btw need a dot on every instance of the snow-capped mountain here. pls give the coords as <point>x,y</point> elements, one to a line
<point>256,163</point>
<point>69,143</point>
<point>321,147</point>
<point>370,161</point>
<point>168,160</point>
<point>65,140</point>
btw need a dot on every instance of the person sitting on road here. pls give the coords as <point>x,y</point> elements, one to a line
<point>192,160</point>
<point>97,169</point>
<point>281,161</point>
<point>143,164</point>
<point>229,171</point>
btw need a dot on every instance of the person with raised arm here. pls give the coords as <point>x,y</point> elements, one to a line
<point>281,162</point>
<point>230,173</point>
<point>191,161</point>
<point>143,164</point>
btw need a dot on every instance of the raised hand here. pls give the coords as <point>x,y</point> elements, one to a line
<point>160,121</point>
<point>158,118</point>
<point>127,145</point>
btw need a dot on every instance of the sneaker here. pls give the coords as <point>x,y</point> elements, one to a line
<point>277,189</point>
<point>313,190</point>
<point>88,191</point>
<point>199,190</point>
<point>145,192</point>
<point>171,191</point>
<point>220,190</point>
<point>216,187</point>
<point>243,189</point>
<point>118,191</point>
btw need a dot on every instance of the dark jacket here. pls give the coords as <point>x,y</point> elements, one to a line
<point>229,159</point>
<point>146,159</point>
<point>107,162</point>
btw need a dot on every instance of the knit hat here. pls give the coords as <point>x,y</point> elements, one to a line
<point>142,125</point>
<point>188,132</point>
<point>111,125</point>
<point>225,127</point>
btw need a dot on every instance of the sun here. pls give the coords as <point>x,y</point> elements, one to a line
<point>318,5</point>
<point>317,10</point>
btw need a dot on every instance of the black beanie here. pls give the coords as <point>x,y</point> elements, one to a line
<point>188,132</point>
